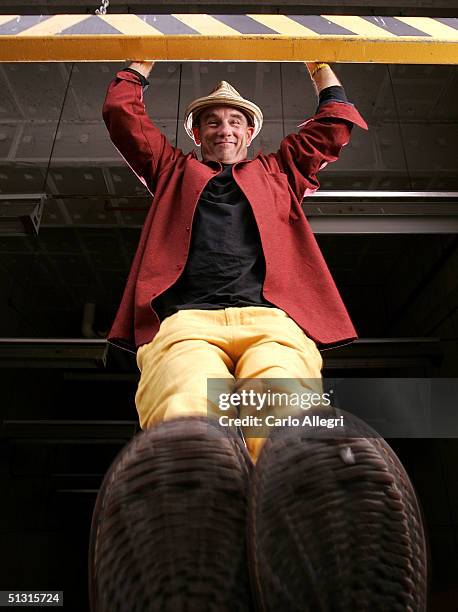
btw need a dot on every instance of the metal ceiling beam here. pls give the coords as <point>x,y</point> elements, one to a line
<point>211,37</point>
<point>68,430</point>
<point>344,212</point>
<point>70,353</point>
<point>382,212</point>
<point>446,200</point>
<point>345,224</point>
<point>330,212</point>
<point>52,353</point>
<point>382,224</point>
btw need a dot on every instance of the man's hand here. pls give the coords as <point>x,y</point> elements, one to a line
<point>323,76</point>
<point>143,68</point>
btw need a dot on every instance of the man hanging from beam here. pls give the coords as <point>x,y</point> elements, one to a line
<point>227,284</point>
<point>226,247</point>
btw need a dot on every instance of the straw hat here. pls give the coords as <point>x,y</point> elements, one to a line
<point>223,95</point>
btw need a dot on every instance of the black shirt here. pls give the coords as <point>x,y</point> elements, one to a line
<point>225,265</point>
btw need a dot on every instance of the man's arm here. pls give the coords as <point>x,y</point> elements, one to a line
<point>320,139</point>
<point>140,142</point>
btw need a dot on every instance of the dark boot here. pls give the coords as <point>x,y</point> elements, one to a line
<point>335,526</point>
<point>169,525</point>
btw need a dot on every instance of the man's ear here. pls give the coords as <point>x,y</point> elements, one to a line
<point>250,131</point>
<point>196,132</point>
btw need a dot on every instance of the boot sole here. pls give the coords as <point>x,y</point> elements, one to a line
<point>169,525</point>
<point>332,529</point>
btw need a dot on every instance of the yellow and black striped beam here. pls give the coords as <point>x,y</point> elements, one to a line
<point>181,37</point>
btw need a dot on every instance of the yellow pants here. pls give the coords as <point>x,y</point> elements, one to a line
<point>232,343</point>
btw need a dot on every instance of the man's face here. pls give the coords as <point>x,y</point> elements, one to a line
<point>224,134</point>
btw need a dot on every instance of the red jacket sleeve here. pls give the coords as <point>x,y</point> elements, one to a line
<point>318,142</point>
<point>146,150</point>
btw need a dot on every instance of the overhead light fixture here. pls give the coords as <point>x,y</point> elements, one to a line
<point>20,214</point>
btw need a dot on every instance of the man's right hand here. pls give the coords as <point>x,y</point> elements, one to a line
<point>143,68</point>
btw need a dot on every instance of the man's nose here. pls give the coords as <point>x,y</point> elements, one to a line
<point>225,127</point>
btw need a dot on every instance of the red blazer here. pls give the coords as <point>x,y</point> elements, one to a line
<point>297,278</point>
